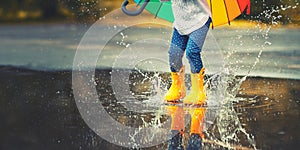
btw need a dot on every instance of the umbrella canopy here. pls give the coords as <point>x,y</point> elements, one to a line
<point>160,9</point>
<point>223,11</point>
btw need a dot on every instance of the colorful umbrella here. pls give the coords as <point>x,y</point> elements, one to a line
<point>223,11</point>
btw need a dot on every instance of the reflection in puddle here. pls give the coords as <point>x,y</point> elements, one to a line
<point>38,111</point>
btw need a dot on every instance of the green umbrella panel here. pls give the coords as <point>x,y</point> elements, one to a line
<point>160,9</point>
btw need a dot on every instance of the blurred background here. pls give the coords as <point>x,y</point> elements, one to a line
<point>18,11</point>
<point>39,39</point>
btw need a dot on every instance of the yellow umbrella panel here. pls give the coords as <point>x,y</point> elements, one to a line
<point>224,11</point>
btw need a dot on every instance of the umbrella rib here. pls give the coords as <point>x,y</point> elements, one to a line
<point>226,12</point>
<point>158,10</point>
<point>239,6</point>
<point>138,3</point>
<point>247,7</point>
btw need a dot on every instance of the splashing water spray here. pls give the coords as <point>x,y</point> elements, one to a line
<point>139,79</point>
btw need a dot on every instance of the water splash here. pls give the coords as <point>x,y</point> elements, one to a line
<point>228,125</point>
<point>229,131</point>
<point>224,85</point>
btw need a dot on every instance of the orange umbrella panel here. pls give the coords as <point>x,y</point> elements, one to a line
<point>224,11</point>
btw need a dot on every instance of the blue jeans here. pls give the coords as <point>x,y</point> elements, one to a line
<point>192,44</point>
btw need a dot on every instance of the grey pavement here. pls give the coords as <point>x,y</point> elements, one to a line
<point>260,52</point>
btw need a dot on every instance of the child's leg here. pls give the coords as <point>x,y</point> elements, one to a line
<point>195,141</point>
<point>194,47</point>
<point>177,127</point>
<point>176,51</point>
<point>175,141</point>
<point>177,90</point>
<point>195,43</point>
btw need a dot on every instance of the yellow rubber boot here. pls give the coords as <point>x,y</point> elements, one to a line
<point>177,127</point>
<point>197,115</point>
<point>177,90</point>
<point>177,115</point>
<point>197,96</point>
